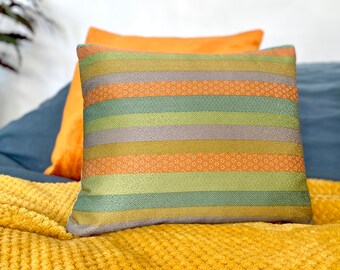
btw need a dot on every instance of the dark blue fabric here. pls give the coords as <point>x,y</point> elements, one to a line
<point>319,105</point>
<point>28,142</point>
<point>4,160</point>
<point>32,175</point>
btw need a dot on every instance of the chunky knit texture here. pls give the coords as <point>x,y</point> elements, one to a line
<point>33,236</point>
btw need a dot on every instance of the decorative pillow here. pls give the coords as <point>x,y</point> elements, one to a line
<point>27,143</point>
<point>319,86</point>
<point>183,138</point>
<point>68,151</point>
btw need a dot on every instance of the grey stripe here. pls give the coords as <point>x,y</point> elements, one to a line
<point>86,230</point>
<point>195,132</point>
<point>154,76</point>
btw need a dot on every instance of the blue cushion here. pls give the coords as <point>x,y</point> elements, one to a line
<point>319,104</point>
<point>32,175</point>
<point>28,142</point>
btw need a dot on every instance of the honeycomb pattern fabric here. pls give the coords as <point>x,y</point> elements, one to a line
<point>33,236</point>
<point>187,138</point>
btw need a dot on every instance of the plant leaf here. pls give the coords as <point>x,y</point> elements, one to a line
<point>8,66</point>
<point>16,36</point>
<point>6,10</point>
<point>12,39</point>
<point>8,39</point>
<point>26,13</point>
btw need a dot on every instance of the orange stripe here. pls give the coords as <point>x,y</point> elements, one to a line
<point>189,88</point>
<point>193,163</point>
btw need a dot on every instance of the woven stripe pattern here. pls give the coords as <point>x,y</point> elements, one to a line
<point>183,138</point>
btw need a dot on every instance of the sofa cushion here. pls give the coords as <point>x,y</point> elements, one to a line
<point>319,105</point>
<point>28,142</point>
<point>184,138</point>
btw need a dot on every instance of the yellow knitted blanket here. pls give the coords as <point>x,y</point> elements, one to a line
<point>33,236</point>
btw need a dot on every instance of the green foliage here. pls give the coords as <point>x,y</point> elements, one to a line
<point>26,14</point>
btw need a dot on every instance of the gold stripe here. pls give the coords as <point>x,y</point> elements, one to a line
<point>111,66</point>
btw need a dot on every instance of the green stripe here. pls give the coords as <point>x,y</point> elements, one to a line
<point>191,146</point>
<point>191,118</point>
<point>121,65</point>
<point>115,184</point>
<point>109,203</point>
<point>103,56</point>
<point>190,104</point>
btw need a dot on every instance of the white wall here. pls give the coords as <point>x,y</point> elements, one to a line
<point>311,25</point>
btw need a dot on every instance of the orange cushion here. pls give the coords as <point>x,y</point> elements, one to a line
<point>67,154</point>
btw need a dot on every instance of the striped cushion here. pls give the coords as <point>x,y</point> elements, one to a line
<point>182,138</point>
